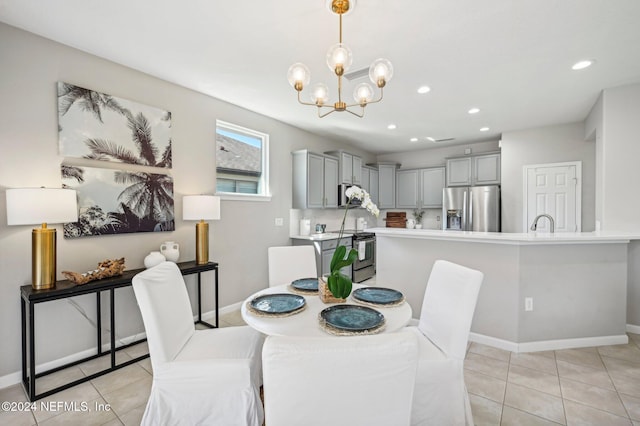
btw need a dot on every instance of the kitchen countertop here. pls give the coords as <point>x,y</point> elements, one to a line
<point>322,237</point>
<point>511,238</point>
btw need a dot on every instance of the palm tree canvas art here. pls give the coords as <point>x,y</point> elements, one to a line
<point>115,201</point>
<point>102,127</point>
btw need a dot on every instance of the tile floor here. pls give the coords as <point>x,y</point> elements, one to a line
<point>591,386</point>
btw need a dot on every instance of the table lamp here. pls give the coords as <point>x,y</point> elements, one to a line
<point>30,206</point>
<point>201,207</point>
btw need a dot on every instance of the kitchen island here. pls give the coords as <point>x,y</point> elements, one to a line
<point>576,283</point>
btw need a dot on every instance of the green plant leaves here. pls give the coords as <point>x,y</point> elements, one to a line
<point>339,284</point>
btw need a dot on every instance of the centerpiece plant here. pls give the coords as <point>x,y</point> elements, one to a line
<point>418,215</point>
<point>338,283</point>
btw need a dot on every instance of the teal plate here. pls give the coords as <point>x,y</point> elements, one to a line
<point>280,303</point>
<point>378,295</point>
<point>352,317</point>
<point>306,284</point>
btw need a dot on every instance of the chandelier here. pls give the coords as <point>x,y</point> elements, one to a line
<point>339,60</point>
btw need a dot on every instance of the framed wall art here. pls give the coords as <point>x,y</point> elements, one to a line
<point>114,201</point>
<point>102,127</point>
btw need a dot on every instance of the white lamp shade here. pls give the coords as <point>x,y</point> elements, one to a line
<point>29,206</point>
<point>200,207</point>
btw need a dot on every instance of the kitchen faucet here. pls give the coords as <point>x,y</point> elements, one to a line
<point>534,226</point>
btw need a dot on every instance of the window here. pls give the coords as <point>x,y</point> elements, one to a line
<point>242,158</point>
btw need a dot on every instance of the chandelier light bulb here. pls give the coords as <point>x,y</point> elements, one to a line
<point>339,58</point>
<point>298,76</point>
<point>380,72</point>
<point>363,93</point>
<point>320,95</point>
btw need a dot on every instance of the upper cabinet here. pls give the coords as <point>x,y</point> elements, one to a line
<point>421,188</point>
<point>387,186</point>
<point>315,180</point>
<point>350,167</point>
<point>483,169</point>
<point>486,169</point>
<point>370,182</point>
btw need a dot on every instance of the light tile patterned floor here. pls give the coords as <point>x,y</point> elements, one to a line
<point>589,386</point>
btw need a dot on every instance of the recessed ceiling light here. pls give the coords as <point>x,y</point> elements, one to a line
<point>391,126</point>
<point>424,89</point>
<point>429,138</point>
<point>413,140</point>
<point>484,129</point>
<point>474,110</point>
<point>582,64</point>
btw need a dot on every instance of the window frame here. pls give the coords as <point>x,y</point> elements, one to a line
<point>265,194</point>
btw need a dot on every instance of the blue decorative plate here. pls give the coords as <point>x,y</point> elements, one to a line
<point>352,317</point>
<point>306,285</point>
<point>378,295</point>
<point>280,303</point>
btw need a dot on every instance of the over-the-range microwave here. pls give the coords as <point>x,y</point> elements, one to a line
<point>343,200</point>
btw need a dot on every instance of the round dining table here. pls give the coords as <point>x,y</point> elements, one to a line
<point>307,323</point>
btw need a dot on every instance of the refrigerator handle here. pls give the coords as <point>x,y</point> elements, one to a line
<point>464,225</point>
<point>470,218</point>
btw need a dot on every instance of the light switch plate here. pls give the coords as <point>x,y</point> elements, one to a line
<point>279,221</point>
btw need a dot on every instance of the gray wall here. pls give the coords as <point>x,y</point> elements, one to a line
<point>552,144</point>
<point>31,66</point>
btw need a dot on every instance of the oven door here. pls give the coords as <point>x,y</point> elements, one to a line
<point>366,248</point>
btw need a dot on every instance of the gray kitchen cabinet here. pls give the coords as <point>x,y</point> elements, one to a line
<point>431,185</point>
<point>420,188</point>
<point>315,180</point>
<point>370,182</point>
<point>387,186</point>
<point>407,189</point>
<point>459,171</point>
<point>366,176</point>
<point>324,252</point>
<point>373,185</point>
<point>486,169</point>
<point>474,170</point>
<point>350,167</point>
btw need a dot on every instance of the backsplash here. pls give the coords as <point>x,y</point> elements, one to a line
<point>432,218</point>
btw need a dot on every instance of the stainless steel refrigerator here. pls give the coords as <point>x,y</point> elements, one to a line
<point>472,208</point>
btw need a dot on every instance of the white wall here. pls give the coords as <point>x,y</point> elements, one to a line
<point>434,157</point>
<point>621,151</point>
<point>31,66</point>
<point>551,144</point>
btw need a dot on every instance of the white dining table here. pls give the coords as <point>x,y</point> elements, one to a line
<point>306,322</point>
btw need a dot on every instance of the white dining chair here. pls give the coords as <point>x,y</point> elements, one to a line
<point>208,376</point>
<point>346,380</point>
<point>289,263</point>
<point>440,396</point>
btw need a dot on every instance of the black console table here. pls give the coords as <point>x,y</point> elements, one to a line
<point>65,289</point>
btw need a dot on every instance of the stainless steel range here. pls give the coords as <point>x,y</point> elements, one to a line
<point>365,265</point>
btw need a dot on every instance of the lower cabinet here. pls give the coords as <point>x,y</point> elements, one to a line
<point>324,253</point>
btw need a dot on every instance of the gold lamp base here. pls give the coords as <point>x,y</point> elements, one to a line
<point>43,258</point>
<point>202,242</point>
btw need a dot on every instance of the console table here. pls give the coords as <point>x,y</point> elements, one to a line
<point>65,289</point>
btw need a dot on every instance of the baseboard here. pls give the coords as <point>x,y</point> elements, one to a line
<point>635,329</point>
<point>582,342</point>
<point>550,345</point>
<point>494,342</point>
<point>15,378</point>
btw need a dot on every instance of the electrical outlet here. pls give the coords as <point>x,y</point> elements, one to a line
<point>279,221</point>
<point>528,304</point>
<point>437,218</point>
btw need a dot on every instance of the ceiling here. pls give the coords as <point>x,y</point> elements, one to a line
<point>511,59</point>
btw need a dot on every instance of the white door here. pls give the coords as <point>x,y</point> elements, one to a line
<point>553,189</point>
